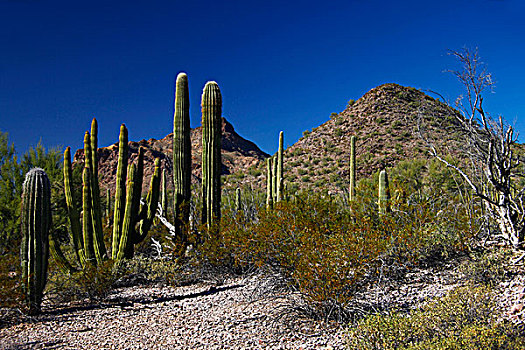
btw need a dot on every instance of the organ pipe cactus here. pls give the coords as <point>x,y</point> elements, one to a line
<point>131,220</point>
<point>164,193</point>
<point>351,190</point>
<point>36,224</point>
<point>384,193</point>
<point>96,209</point>
<point>120,190</point>
<point>182,156</point>
<point>211,152</point>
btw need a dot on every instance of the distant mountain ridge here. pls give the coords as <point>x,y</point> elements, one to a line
<point>237,155</point>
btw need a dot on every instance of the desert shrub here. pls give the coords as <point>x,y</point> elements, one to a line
<point>328,250</point>
<point>462,319</point>
<point>486,267</point>
<point>93,283</point>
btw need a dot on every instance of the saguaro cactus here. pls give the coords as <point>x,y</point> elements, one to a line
<point>238,202</point>
<point>384,193</point>
<point>279,174</point>
<point>351,190</point>
<point>36,223</point>
<point>211,152</point>
<point>181,156</point>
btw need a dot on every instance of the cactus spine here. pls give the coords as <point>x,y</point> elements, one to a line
<point>36,223</point>
<point>181,156</point>
<point>211,152</point>
<point>351,190</point>
<point>269,185</point>
<point>384,193</point>
<point>279,173</point>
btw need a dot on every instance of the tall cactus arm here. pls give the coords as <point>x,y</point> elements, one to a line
<point>87,224</point>
<point>126,243</point>
<point>96,212</point>
<point>74,217</point>
<point>120,190</point>
<point>58,255</point>
<point>88,164</point>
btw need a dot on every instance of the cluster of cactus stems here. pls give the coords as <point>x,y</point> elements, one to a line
<point>181,156</point>
<point>131,221</point>
<point>275,182</point>
<point>36,225</point>
<point>211,153</point>
<point>384,193</point>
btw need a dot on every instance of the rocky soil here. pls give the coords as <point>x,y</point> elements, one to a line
<point>250,312</point>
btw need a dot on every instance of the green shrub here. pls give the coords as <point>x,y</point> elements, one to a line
<point>486,267</point>
<point>462,319</point>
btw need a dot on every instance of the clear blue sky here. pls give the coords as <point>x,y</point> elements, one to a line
<point>281,65</point>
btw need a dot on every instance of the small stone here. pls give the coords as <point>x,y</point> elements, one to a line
<point>516,309</point>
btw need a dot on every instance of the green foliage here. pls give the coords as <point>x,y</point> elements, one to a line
<point>460,320</point>
<point>94,283</point>
<point>306,133</point>
<point>12,171</point>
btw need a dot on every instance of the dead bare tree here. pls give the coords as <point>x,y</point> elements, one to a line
<point>490,146</point>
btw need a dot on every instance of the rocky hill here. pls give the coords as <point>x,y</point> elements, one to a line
<point>387,121</point>
<point>237,154</point>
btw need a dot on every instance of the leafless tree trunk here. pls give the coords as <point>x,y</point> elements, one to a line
<point>489,144</point>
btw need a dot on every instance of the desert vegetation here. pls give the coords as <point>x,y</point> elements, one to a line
<point>337,216</point>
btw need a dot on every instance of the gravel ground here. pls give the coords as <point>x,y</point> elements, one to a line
<point>242,313</point>
<point>252,312</point>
